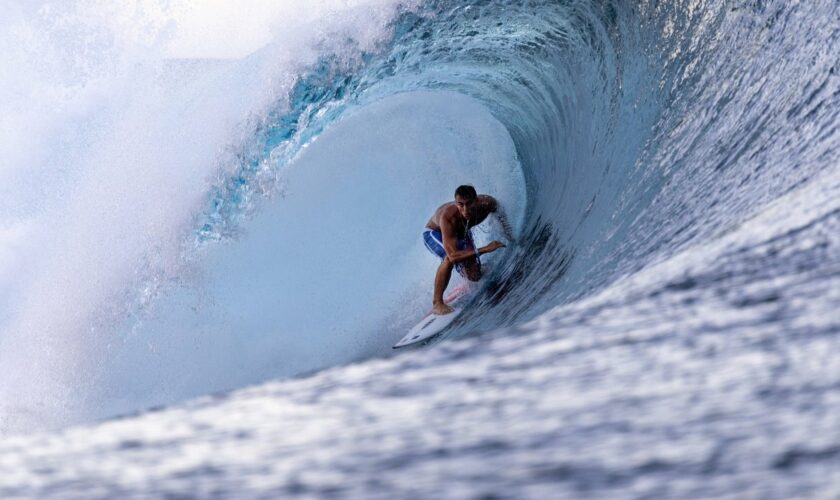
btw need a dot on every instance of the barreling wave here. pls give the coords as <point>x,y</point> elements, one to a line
<point>606,104</point>
<point>620,134</point>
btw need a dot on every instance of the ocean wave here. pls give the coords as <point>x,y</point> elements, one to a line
<point>672,168</point>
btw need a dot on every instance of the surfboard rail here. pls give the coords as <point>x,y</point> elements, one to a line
<point>432,324</point>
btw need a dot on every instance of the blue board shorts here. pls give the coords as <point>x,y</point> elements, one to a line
<point>434,242</point>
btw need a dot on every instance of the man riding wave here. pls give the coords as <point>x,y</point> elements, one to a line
<point>448,235</point>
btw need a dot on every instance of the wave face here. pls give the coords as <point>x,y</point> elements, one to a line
<point>663,324</point>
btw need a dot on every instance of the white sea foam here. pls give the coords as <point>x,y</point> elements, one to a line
<point>107,153</point>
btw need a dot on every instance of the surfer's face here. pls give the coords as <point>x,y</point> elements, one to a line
<point>464,205</point>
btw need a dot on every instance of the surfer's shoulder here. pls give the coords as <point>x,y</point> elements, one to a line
<point>449,210</point>
<point>447,215</point>
<point>488,202</point>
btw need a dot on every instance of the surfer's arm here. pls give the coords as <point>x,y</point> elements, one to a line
<point>506,227</point>
<point>462,255</point>
<point>500,215</point>
<point>450,244</point>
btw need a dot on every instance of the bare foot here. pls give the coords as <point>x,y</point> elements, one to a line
<point>441,308</point>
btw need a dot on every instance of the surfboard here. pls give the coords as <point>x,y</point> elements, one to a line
<point>428,327</point>
<point>432,324</point>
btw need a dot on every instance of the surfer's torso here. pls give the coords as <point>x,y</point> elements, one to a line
<point>484,206</point>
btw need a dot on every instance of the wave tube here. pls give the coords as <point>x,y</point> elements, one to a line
<point>620,135</point>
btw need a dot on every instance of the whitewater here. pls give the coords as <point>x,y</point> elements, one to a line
<point>210,222</point>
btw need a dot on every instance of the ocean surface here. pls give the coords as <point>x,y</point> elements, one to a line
<point>210,229</point>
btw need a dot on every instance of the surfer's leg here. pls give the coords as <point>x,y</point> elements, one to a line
<point>442,276</point>
<point>433,240</point>
<point>470,269</point>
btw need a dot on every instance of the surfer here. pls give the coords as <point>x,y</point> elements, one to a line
<point>448,235</point>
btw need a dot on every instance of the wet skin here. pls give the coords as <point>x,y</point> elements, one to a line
<point>454,219</point>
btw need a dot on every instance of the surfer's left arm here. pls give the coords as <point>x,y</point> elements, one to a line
<point>499,212</point>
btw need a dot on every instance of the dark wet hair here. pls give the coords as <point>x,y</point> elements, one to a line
<point>466,191</point>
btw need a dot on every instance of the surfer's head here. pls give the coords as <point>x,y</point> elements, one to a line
<point>465,197</point>
<point>467,192</point>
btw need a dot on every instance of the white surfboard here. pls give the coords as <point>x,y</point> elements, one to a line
<point>432,323</point>
<point>430,326</point>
